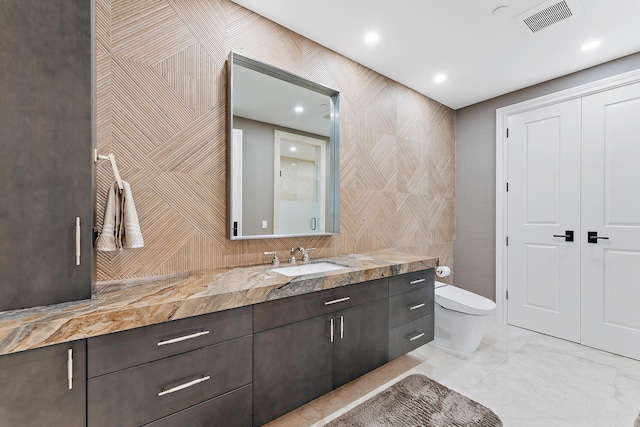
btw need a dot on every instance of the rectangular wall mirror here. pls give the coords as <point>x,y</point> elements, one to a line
<point>283,153</point>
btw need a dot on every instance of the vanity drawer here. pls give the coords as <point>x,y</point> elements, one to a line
<point>410,281</point>
<point>410,336</point>
<point>409,306</point>
<point>148,392</point>
<point>285,311</point>
<point>232,409</point>
<point>121,350</point>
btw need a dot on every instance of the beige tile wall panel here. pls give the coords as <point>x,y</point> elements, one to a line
<point>161,88</point>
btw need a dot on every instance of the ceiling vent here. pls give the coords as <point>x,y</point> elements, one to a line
<point>549,13</point>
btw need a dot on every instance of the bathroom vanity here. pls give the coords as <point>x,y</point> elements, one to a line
<point>239,346</point>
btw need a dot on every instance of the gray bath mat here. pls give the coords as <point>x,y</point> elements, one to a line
<point>417,401</point>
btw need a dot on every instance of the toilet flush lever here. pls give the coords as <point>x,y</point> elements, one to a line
<point>568,235</point>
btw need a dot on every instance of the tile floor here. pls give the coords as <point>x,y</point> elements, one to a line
<point>528,379</point>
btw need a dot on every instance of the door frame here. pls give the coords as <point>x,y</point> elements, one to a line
<point>502,119</point>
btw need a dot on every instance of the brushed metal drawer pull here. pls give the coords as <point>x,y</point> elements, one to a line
<point>70,368</point>
<point>415,307</point>
<point>416,337</point>
<point>341,327</point>
<point>415,282</point>
<point>335,301</point>
<point>185,385</point>
<point>186,337</point>
<point>331,332</point>
<point>77,240</point>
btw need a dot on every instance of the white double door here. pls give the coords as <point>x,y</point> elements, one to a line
<point>574,168</point>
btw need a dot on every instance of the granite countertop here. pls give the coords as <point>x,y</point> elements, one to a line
<point>132,303</point>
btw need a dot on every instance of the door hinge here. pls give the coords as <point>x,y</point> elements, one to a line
<point>507,294</point>
<point>507,132</point>
<point>507,241</point>
<point>507,186</point>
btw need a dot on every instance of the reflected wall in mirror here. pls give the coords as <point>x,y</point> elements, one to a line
<point>283,153</point>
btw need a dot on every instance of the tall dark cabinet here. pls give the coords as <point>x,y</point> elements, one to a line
<point>46,171</point>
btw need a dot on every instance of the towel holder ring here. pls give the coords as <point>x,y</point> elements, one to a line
<point>112,158</point>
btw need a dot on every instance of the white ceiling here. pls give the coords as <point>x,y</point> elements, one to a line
<point>483,55</point>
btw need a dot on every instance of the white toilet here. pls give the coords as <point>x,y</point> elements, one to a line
<point>461,317</point>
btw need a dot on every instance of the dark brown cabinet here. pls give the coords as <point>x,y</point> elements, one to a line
<point>301,359</point>
<point>36,389</point>
<point>186,370</point>
<point>46,170</point>
<point>411,317</point>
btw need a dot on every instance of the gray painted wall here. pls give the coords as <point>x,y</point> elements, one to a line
<point>474,246</point>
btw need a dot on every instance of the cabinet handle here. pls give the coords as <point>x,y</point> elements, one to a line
<point>70,368</point>
<point>185,385</point>
<point>331,329</point>
<point>77,240</point>
<point>415,337</point>
<point>415,282</point>
<point>186,337</point>
<point>335,301</point>
<point>341,327</point>
<point>417,306</point>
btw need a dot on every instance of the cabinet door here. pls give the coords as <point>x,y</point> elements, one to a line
<point>360,340</point>
<point>292,366</point>
<point>35,388</point>
<point>46,170</point>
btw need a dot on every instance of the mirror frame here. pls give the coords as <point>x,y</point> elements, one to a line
<point>333,187</point>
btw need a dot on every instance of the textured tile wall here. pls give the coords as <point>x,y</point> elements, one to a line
<point>161,109</point>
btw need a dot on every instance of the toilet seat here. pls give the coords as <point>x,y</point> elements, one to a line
<point>458,299</point>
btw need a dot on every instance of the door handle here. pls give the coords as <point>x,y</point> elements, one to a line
<point>592,237</point>
<point>568,235</point>
<point>77,240</point>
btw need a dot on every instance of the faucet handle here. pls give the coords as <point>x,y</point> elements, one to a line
<point>305,253</point>
<point>275,261</point>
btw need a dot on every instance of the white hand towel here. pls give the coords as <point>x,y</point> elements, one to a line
<point>131,235</point>
<point>120,228</point>
<point>106,241</point>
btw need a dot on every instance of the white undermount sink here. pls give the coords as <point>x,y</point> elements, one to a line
<point>302,269</point>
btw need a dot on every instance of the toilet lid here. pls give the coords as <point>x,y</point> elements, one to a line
<point>458,299</point>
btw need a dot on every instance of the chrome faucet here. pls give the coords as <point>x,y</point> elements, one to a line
<point>275,261</point>
<point>292,259</point>
<point>304,252</point>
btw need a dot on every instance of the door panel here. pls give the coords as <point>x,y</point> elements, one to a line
<point>35,387</point>
<point>361,341</point>
<point>45,167</point>
<point>542,277</point>
<point>293,365</point>
<point>611,207</point>
<point>544,201</point>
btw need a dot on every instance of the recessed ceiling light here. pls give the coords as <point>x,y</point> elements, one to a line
<point>299,109</point>
<point>591,45</point>
<point>292,148</point>
<point>371,38</point>
<point>439,78</point>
